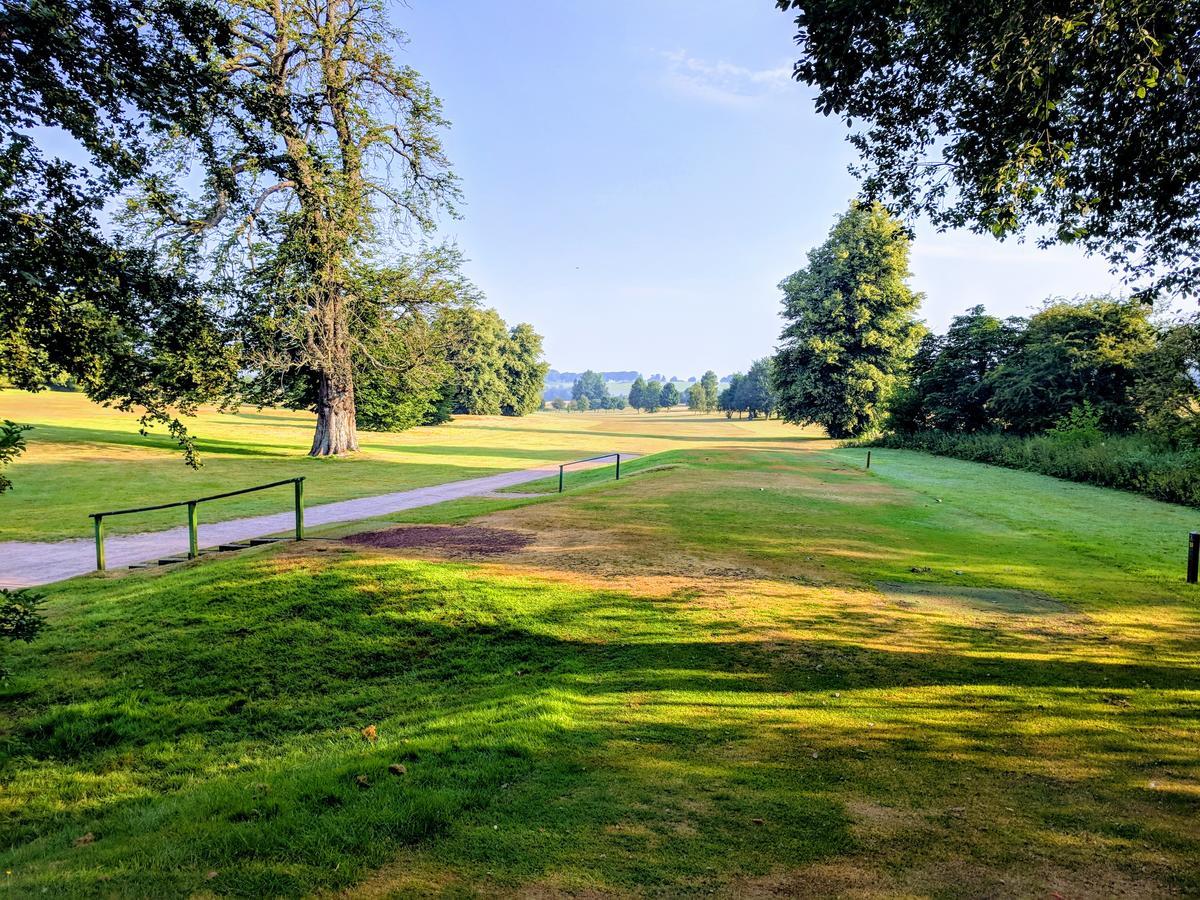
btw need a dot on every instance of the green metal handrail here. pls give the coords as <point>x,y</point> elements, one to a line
<point>193,518</point>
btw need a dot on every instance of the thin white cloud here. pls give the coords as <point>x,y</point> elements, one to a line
<point>722,82</point>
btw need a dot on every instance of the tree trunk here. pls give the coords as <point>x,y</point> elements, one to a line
<point>337,427</point>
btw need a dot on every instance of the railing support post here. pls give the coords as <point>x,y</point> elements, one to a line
<point>300,508</point>
<point>618,467</point>
<point>193,530</point>
<point>560,479</point>
<point>99,543</point>
<point>1193,556</point>
<point>868,459</point>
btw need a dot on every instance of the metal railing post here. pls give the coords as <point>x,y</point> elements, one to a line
<point>618,467</point>
<point>193,530</point>
<point>868,459</point>
<point>300,508</point>
<point>99,543</point>
<point>1193,557</point>
<point>560,479</point>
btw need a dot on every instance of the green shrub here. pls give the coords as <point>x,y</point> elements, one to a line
<point>1074,450</point>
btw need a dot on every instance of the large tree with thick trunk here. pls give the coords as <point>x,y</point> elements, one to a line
<point>342,153</point>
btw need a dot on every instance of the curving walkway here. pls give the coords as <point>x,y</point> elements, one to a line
<point>30,563</point>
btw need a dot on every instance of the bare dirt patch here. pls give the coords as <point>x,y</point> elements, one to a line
<point>451,540</point>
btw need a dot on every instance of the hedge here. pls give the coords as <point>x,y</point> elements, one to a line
<point>1130,463</point>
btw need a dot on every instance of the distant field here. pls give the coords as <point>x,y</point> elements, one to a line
<point>83,458</point>
<point>750,669</point>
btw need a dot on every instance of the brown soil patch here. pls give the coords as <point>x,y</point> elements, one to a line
<point>453,540</point>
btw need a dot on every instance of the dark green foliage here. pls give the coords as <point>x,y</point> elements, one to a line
<point>493,370</point>
<point>850,325</point>
<point>1069,353</point>
<point>1074,119</point>
<point>74,302</point>
<point>669,396</point>
<point>12,445</point>
<point>756,394</point>
<point>1075,451</point>
<point>19,619</point>
<point>1167,388</point>
<point>950,380</point>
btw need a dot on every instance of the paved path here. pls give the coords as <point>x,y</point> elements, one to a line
<point>29,563</point>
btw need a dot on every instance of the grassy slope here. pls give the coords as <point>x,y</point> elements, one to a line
<point>688,683</point>
<point>83,458</point>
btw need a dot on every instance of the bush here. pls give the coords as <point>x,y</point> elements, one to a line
<point>19,619</point>
<point>1074,450</point>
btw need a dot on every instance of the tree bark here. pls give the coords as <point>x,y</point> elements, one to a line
<point>337,427</point>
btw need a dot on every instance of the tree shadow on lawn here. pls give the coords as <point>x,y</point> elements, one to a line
<point>211,723</point>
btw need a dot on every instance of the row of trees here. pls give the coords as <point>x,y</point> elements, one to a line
<point>752,393</point>
<point>853,356</point>
<point>1102,357</point>
<point>279,167</point>
<point>651,396</point>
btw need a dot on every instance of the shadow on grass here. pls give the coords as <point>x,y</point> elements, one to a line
<point>210,721</point>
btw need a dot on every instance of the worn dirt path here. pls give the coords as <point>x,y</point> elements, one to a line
<point>29,563</point>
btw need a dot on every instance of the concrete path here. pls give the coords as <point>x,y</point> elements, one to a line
<point>29,563</point>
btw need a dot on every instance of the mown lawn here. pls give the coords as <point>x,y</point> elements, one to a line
<point>83,458</point>
<point>754,672</point>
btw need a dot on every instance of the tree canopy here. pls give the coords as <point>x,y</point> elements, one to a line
<point>113,75</point>
<point>1075,120</point>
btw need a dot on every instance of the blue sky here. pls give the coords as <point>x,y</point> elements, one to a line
<point>641,174</point>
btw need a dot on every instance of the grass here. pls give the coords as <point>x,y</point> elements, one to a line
<point>83,458</point>
<point>751,671</point>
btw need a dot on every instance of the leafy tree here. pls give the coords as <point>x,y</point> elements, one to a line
<point>637,394</point>
<point>524,371</point>
<point>652,397</point>
<point>19,619</point>
<point>950,381</point>
<point>584,403</point>
<point>850,325</point>
<point>325,142</point>
<point>618,402</point>
<point>12,445</point>
<point>475,339</point>
<point>1074,119</point>
<point>1167,388</point>
<point>558,403</point>
<point>74,302</point>
<point>591,384</point>
<point>729,400</point>
<point>669,396</point>
<point>756,392</point>
<point>1071,353</point>
<point>695,397</point>
<point>712,388</point>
